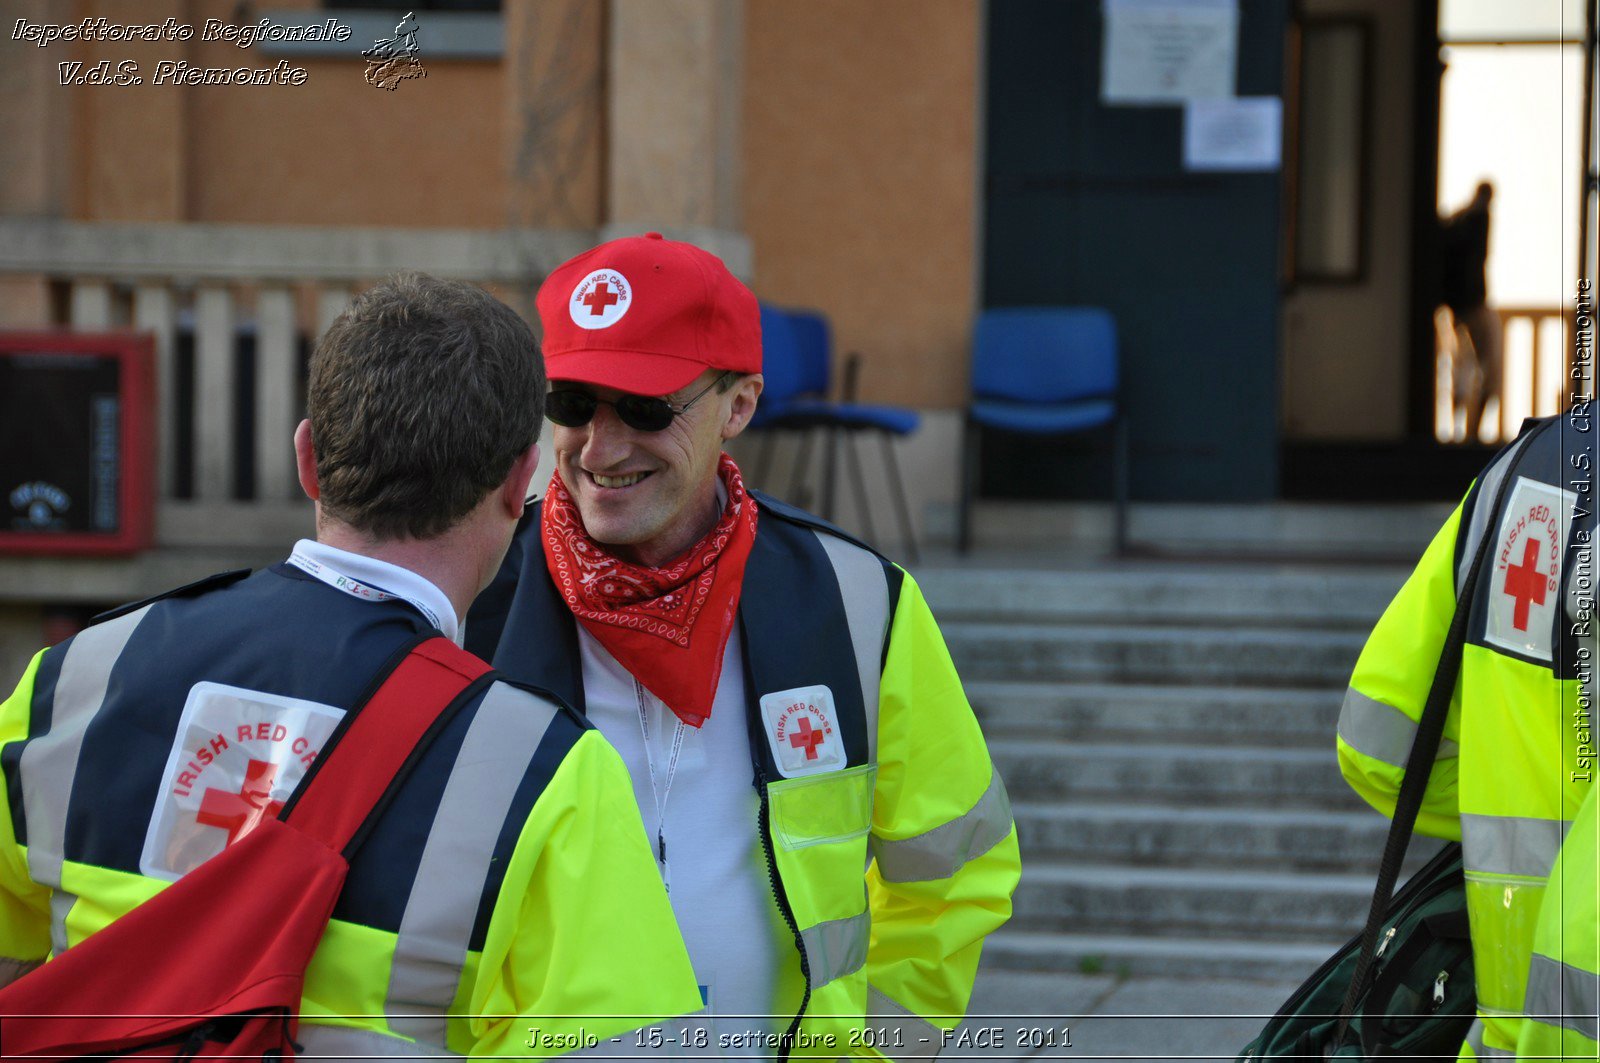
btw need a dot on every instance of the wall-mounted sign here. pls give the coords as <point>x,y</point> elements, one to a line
<point>1244,134</point>
<point>1168,51</point>
<point>77,454</point>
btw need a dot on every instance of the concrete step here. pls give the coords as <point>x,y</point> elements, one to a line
<point>1208,715</point>
<point>1175,836</point>
<point>1036,770</point>
<point>1190,901</point>
<point>1073,532</point>
<point>1164,593</point>
<point>1128,954</point>
<point>1172,656</point>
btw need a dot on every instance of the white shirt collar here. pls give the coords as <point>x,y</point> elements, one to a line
<point>367,577</point>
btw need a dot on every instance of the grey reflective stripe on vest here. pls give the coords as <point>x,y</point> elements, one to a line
<point>837,948</point>
<point>436,926</point>
<point>1481,1050</point>
<point>1562,995</point>
<point>1468,538</point>
<point>61,903</point>
<point>49,763</point>
<point>347,1042</point>
<point>865,589</point>
<point>1379,730</point>
<point>920,1038</point>
<point>1511,845</point>
<point>944,850</point>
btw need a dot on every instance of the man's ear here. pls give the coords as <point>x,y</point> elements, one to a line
<point>305,460</point>
<point>743,406</point>
<point>514,492</point>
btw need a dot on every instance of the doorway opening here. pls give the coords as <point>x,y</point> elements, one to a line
<point>1511,166</point>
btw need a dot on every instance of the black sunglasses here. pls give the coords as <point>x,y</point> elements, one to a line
<point>574,409</point>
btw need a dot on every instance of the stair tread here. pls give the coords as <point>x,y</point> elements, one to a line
<point>1256,696</point>
<point>1067,748</point>
<point>1132,632</point>
<point>1080,811</point>
<point>1046,871</point>
<point>1043,941</point>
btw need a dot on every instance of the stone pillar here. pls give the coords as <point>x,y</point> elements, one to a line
<point>36,128</point>
<point>555,52</point>
<point>133,149</point>
<point>673,112</point>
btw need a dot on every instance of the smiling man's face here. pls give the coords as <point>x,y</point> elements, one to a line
<point>649,496</point>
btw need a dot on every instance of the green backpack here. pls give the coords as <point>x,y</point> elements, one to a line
<point>1420,999</point>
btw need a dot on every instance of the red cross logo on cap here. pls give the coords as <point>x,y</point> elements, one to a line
<point>807,739</point>
<point>601,297</point>
<point>1526,584</point>
<point>238,813</point>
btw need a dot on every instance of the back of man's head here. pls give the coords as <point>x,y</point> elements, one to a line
<point>423,393</point>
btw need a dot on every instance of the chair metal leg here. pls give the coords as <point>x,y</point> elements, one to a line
<point>969,485</point>
<point>769,438</point>
<point>799,489</point>
<point>863,503</point>
<point>1119,472</point>
<point>829,480</point>
<point>891,464</point>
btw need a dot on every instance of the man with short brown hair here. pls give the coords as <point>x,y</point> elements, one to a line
<point>508,885</point>
<point>442,370</point>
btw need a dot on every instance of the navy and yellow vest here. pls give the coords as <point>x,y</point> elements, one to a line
<point>84,784</point>
<point>815,609</point>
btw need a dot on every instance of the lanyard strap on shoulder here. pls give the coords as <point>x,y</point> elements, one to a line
<point>379,741</point>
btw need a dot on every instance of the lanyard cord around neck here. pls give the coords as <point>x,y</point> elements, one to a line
<point>659,796</point>
<point>356,588</point>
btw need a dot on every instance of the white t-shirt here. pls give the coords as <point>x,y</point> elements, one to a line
<point>715,869</point>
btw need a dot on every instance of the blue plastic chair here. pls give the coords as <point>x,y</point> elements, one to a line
<point>789,375</point>
<point>796,363</point>
<point>1045,371</point>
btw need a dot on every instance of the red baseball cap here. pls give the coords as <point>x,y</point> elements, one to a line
<point>647,315</point>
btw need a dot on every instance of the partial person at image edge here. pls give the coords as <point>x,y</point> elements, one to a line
<point>1517,755</point>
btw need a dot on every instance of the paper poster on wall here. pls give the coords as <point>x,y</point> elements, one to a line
<point>1168,51</point>
<point>1243,134</point>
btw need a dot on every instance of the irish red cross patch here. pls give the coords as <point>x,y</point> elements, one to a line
<point>1525,576</point>
<point>803,731</point>
<point>237,757</point>
<point>600,299</point>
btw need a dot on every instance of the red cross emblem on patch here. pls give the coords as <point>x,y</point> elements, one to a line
<point>803,731</point>
<point>804,737</point>
<point>1524,585</point>
<point>238,813</point>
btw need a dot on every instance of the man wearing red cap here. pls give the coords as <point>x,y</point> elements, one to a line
<point>837,905</point>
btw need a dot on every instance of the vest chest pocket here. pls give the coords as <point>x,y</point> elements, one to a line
<point>834,806</point>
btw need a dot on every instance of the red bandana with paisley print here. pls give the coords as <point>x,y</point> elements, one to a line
<point>667,626</point>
